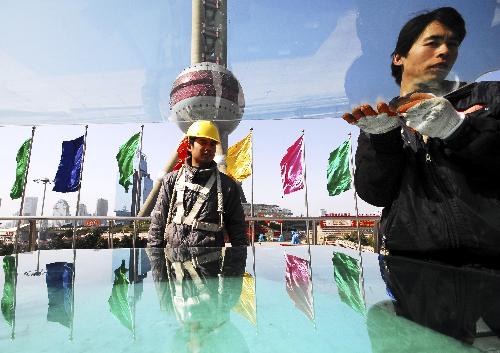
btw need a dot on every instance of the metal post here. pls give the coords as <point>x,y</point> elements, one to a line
<point>305,186</point>
<point>32,236</point>
<point>314,233</point>
<point>355,197</point>
<point>376,237</point>
<point>252,223</point>
<point>110,234</point>
<point>45,181</point>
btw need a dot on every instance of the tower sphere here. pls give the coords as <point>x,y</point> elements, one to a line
<point>207,91</point>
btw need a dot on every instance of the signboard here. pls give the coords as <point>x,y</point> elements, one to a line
<point>348,223</point>
<point>92,222</point>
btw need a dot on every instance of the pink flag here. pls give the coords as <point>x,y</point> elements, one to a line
<point>299,285</point>
<point>291,168</point>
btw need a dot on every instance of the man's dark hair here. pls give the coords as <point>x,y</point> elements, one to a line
<point>410,32</point>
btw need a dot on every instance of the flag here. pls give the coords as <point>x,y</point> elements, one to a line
<point>9,290</point>
<point>239,159</point>
<point>291,168</point>
<point>347,274</point>
<point>125,158</point>
<point>68,174</point>
<point>299,284</point>
<point>246,306</point>
<point>59,280</point>
<point>338,175</point>
<point>118,301</point>
<point>182,153</point>
<point>22,159</point>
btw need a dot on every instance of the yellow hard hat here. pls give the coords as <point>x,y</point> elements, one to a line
<point>204,128</point>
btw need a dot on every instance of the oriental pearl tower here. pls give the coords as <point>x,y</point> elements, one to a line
<point>206,90</point>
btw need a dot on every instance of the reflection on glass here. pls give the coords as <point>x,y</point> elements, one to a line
<point>461,303</point>
<point>299,284</point>
<point>203,285</point>
<point>316,58</point>
<point>9,289</point>
<point>59,280</point>
<point>347,272</point>
<point>247,305</point>
<point>119,304</point>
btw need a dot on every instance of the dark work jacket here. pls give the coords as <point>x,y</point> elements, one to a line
<point>181,234</point>
<point>448,299</point>
<point>444,194</point>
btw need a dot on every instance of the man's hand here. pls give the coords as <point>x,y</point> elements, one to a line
<point>430,116</point>
<point>373,122</point>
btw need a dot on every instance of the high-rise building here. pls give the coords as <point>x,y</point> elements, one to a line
<point>61,209</point>
<point>124,201</point>
<point>30,206</point>
<point>101,208</point>
<point>82,211</point>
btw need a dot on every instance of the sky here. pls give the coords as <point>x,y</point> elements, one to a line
<point>111,64</point>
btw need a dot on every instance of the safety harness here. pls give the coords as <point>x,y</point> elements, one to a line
<point>203,192</point>
<point>184,304</point>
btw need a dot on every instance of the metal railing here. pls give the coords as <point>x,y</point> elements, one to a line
<point>112,224</point>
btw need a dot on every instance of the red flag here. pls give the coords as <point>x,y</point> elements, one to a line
<point>291,168</point>
<point>182,152</point>
<point>299,285</point>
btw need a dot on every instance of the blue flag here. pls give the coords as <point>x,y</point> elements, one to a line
<point>68,174</point>
<point>59,279</point>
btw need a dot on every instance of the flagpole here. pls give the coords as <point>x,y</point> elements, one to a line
<point>307,223</point>
<point>24,193</point>
<point>305,188</point>
<point>255,287</point>
<point>357,222</point>
<point>79,188</point>
<point>134,280</point>
<point>252,230</point>
<point>355,194</point>
<point>13,330</point>
<point>73,296</point>
<point>137,196</point>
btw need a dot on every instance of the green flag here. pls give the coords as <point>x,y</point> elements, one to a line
<point>22,160</point>
<point>118,301</point>
<point>8,297</point>
<point>347,274</point>
<point>125,158</point>
<point>338,175</point>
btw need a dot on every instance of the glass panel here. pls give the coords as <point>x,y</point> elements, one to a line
<point>187,300</point>
<point>110,62</point>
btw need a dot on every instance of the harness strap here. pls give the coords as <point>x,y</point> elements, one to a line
<point>203,192</point>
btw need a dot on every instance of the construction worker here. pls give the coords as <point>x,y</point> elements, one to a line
<point>197,203</point>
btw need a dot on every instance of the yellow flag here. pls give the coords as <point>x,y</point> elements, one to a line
<point>239,159</point>
<point>246,306</point>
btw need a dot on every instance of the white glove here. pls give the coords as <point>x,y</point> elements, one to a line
<point>377,124</point>
<point>373,121</point>
<point>434,117</point>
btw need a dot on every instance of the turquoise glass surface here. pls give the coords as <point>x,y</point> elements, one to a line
<point>327,299</point>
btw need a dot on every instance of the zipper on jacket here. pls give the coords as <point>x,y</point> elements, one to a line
<point>439,186</point>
